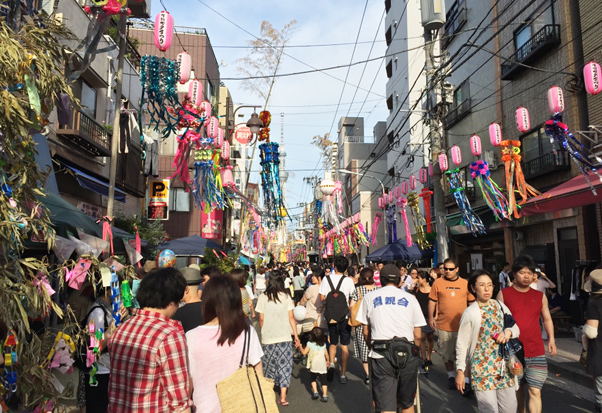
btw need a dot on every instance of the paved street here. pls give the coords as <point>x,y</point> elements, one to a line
<point>559,394</point>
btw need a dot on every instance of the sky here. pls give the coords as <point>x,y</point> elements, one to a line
<point>309,102</point>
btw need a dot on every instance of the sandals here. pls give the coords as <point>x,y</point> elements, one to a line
<point>283,402</point>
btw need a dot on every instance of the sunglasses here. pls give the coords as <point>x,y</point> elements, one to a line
<point>449,269</point>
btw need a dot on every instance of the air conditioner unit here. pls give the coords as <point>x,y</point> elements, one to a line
<point>491,159</point>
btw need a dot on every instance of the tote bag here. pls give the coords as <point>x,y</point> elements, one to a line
<point>354,309</point>
<point>245,391</point>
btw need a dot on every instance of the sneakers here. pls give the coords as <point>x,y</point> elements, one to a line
<point>315,396</point>
<point>366,380</point>
<point>330,373</point>
<point>451,383</point>
<point>468,391</point>
<point>343,379</point>
<point>323,398</point>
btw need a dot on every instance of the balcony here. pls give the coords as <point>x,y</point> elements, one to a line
<point>87,133</point>
<point>540,44</point>
<point>546,164</point>
<point>129,171</point>
<point>456,114</point>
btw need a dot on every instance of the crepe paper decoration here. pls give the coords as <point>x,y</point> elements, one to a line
<point>492,193</point>
<point>163,30</point>
<point>62,360</point>
<point>402,203</point>
<point>556,99</point>
<point>184,64</point>
<point>195,94</point>
<point>41,281</point>
<point>98,245</point>
<point>522,120</point>
<point>495,134</point>
<point>207,187</point>
<point>273,200</point>
<point>456,155</point>
<point>391,223</point>
<point>418,220</point>
<point>593,78</point>
<point>443,163</point>
<point>558,131</point>
<point>378,217</point>
<point>456,188</point>
<point>404,188</point>
<point>77,275</point>
<point>426,194</point>
<point>138,245</point>
<point>475,145</point>
<point>515,179</point>
<point>423,175</point>
<point>133,256</point>
<point>63,248</point>
<point>264,133</point>
<point>107,233</point>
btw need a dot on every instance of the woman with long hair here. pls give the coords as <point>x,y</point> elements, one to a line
<point>218,344</point>
<point>364,286</point>
<point>422,291</point>
<point>275,309</point>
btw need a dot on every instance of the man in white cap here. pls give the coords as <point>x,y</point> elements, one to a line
<point>191,315</point>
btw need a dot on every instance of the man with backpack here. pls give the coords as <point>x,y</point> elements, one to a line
<point>335,291</point>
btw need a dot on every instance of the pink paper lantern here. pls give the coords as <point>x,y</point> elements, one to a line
<point>206,108</point>
<point>495,134</point>
<point>413,182</point>
<point>423,175</point>
<point>456,155</point>
<point>219,139</point>
<point>212,126</point>
<point>431,170</point>
<point>556,99</point>
<point>397,192</point>
<point>227,177</point>
<point>380,202</point>
<point>390,197</point>
<point>475,145</point>
<point>225,150</point>
<point>195,92</point>
<point>522,119</point>
<point>593,78</point>
<point>443,163</point>
<point>163,30</point>
<point>185,62</point>
<point>404,188</point>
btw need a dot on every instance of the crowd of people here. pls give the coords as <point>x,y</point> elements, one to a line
<point>192,325</point>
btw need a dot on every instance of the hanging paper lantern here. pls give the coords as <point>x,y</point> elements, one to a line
<point>195,92</point>
<point>212,126</point>
<point>327,186</point>
<point>227,177</point>
<point>185,62</point>
<point>423,175</point>
<point>456,155</point>
<point>431,170</point>
<point>163,30</point>
<point>413,182</point>
<point>219,139</point>
<point>206,108</point>
<point>593,78</point>
<point>475,145</point>
<point>522,119</point>
<point>556,99</point>
<point>225,150</point>
<point>495,134</point>
<point>380,203</point>
<point>443,164</point>
<point>404,188</point>
<point>397,192</point>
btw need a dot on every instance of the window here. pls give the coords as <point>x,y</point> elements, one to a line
<point>462,93</point>
<point>387,5</point>
<point>535,144</point>
<point>389,69</point>
<point>390,103</point>
<point>542,17</point>
<point>388,36</point>
<point>180,200</point>
<point>455,19</point>
<point>88,100</point>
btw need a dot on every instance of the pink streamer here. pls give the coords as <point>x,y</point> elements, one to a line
<point>378,218</point>
<point>138,244</point>
<point>402,203</point>
<point>107,234</point>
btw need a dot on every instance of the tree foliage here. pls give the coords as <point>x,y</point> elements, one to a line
<point>325,146</point>
<point>150,230</point>
<point>263,61</point>
<point>225,264</point>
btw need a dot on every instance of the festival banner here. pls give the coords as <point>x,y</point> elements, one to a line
<point>211,224</point>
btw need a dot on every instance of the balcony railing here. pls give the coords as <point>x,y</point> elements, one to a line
<point>129,171</point>
<point>536,46</point>
<point>87,133</point>
<point>546,164</point>
<point>456,114</point>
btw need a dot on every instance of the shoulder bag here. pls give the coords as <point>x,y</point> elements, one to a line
<point>354,309</point>
<point>245,391</point>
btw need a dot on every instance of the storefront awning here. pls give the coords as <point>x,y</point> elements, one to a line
<point>94,184</point>
<point>573,193</point>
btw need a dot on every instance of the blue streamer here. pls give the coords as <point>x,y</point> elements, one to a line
<point>471,220</point>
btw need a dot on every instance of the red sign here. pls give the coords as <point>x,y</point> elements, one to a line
<point>243,134</point>
<point>211,224</point>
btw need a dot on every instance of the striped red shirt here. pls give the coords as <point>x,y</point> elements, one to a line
<point>149,366</point>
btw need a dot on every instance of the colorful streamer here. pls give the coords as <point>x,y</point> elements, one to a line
<point>456,188</point>
<point>270,181</point>
<point>515,179</point>
<point>402,203</point>
<point>418,220</point>
<point>426,194</point>
<point>378,218</point>
<point>495,199</point>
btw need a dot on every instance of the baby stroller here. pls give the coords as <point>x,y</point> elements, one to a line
<point>303,329</point>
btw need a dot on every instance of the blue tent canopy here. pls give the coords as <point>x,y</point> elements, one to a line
<point>192,246</point>
<point>400,251</point>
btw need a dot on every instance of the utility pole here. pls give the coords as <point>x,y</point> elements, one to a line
<point>116,114</point>
<point>434,120</point>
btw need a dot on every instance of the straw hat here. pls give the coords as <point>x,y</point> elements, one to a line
<point>149,266</point>
<point>594,282</point>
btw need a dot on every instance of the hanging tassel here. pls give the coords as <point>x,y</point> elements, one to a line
<point>471,220</point>
<point>494,198</point>
<point>426,194</point>
<point>107,234</point>
<point>378,217</point>
<point>402,203</point>
<point>138,244</point>
<point>418,220</point>
<point>515,179</point>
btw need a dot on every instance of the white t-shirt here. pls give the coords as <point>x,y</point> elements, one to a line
<point>408,283</point>
<point>347,287</point>
<point>504,280</point>
<point>390,312</point>
<point>276,325</point>
<point>210,363</point>
<point>260,282</point>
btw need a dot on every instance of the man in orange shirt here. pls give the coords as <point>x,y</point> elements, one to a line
<point>449,297</point>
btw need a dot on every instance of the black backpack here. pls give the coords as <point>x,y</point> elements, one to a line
<point>337,307</point>
<point>81,351</point>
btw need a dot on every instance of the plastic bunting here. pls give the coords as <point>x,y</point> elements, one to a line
<point>418,220</point>
<point>207,188</point>
<point>456,188</point>
<point>426,194</point>
<point>495,199</point>
<point>391,223</point>
<point>515,179</point>
<point>402,203</point>
<point>559,132</point>
<point>270,181</point>
<point>378,218</point>
<point>348,238</point>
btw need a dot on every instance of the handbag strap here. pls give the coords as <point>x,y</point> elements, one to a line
<point>245,348</point>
